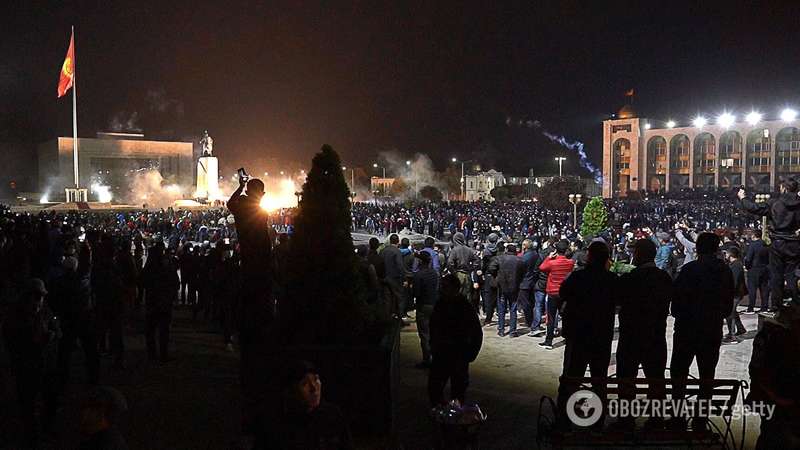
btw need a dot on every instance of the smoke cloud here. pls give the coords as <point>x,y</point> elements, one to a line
<point>123,121</point>
<point>418,173</point>
<point>576,146</point>
<point>583,159</point>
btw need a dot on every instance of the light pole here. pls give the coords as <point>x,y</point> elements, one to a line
<point>560,160</point>
<point>760,198</point>
<point>575,199</point>
<point>463,181</point>
<point>416,181</point>
<point>383,183</point>
<point>352,178</point>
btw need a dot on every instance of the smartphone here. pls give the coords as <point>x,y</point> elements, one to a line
<point>242,174</point>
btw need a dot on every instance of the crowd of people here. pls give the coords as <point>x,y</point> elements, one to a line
<point>72,277</point>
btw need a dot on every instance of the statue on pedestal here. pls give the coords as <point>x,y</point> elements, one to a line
<point>207,143</point>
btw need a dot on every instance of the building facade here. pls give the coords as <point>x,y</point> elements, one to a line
<point>479,186</point>
<point>638,156</point>
<point>112,158</point>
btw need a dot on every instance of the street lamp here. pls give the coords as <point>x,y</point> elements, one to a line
<point>575,199</point>
<point>375,165</point>
<point>352,179</point>
<point>416,181</point>
<point>463,180</point>
<point>560,160</point>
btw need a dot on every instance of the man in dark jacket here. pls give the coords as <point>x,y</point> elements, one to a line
<point>160,280</point>
<point>456,339</point>
<point>255,311</point>
<point>530,275</point>
<point>587,298</point>
<point>702,298</point>
<point>462,261</point>
<point>71,294</point>
<point>508,276</point>
<point>644,296</point>
<point>395,275</point>
<point>426,293</point>
<point>735,325</point>
<point>783,214</point>
<point>489,286</point>
<point>756,261</point>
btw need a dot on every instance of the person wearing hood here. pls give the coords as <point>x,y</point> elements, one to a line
<point>783,222</point>
<point>488,272</point>
<point>456,338</point>
<point>462,261</point>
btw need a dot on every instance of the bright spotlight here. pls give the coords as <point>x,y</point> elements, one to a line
<point>647,126</point>
<point>454,160</point>
<point>671,124</point>
<point>788,115</point>
<point>726,120</point>
<point>375,165</point>
<point>753,118</point>
<point>699,122</point>
<point>408,163</point>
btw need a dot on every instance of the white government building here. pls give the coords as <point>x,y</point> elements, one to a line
<point>721,152</point>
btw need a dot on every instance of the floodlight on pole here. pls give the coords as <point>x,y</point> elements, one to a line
<point>726,120</point>
<point>788,115</point>
<point>753,118</point>
<point>699,122</point>
<point>560,160</point>
<point>670,124</point>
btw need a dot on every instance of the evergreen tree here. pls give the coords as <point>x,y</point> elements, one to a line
<point>324,278</point>
<point>595,217</point>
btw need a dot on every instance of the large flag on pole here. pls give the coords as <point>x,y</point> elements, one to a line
<point>65,80</point>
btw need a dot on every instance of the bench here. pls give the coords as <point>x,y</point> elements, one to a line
<point>724,396</point>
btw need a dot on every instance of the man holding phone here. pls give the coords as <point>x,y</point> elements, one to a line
<point>255,248</point>
<point>783,215</point>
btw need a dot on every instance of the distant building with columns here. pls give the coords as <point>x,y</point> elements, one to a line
<point>643,155</point>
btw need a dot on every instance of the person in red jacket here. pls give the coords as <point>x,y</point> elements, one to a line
<point>557,267</point>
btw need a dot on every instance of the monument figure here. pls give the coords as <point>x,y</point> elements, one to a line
<point>207,143</point>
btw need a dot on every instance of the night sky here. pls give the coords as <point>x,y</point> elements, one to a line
<point>440,78</point>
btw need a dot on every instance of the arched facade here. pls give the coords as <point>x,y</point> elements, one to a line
<point>622,167</point>
<point>758,150</point>
<point>730,160</point>
<point>656,166</point>
<point>705,161</point>
<point>679,148</point>
<point>787,152</point>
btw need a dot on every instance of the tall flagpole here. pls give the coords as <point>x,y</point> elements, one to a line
<point>75,114</point>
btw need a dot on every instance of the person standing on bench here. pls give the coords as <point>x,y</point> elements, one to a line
<point>588,309</point>
<point>703,299</point>
<point>644,296</point>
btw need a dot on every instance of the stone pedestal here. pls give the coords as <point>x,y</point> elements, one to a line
<point>207,178</point>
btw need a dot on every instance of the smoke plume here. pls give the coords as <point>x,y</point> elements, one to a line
<point>577,146</point>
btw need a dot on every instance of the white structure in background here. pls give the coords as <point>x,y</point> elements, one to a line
<point>480,185</point>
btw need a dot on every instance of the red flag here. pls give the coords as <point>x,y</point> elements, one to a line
<point>68,69</point>
<point>629,93</point>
